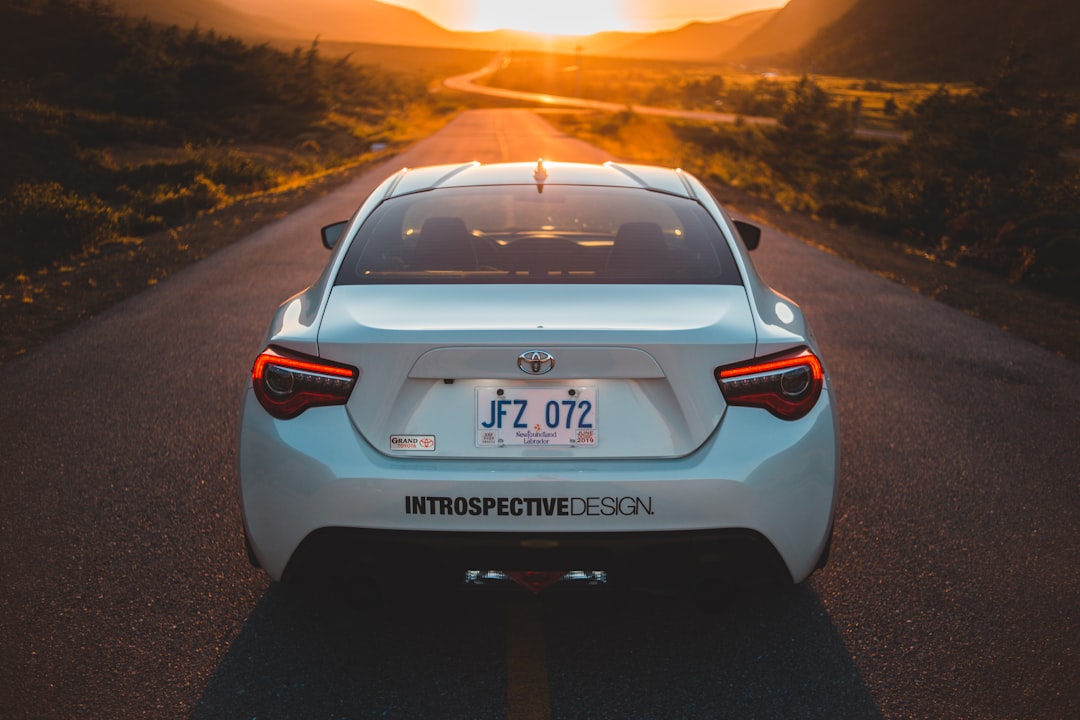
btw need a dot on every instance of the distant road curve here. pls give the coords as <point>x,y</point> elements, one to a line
<point>467,83</point>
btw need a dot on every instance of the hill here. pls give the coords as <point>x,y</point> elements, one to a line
<point>696,41</point>
<point>355,21</point>
<point>790,28</point>
<point>205,13</point>
<point>351,20</point>
<point>941,41</point>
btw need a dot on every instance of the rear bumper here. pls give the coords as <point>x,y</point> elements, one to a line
<point>757,496</point>
<point>412,559</point>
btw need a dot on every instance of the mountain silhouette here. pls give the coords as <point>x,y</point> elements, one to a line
<point>351,20</point>
<point>207,14</point>
<point>941,41</point>
<point>790,28</point>
<point>696,41</point>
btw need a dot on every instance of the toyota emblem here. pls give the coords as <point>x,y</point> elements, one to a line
<point>536,362</point>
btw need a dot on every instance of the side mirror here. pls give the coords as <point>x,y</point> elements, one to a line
<point>332,233</point>
<point>750,234</point>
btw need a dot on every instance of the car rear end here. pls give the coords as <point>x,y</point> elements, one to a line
<point>524,400</point>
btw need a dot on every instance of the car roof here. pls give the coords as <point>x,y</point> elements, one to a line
<point>609,174</point>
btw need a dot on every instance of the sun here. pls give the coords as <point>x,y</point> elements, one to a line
<point>549,17</point>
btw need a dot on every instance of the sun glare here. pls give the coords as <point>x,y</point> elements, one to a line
<point>549,17</point>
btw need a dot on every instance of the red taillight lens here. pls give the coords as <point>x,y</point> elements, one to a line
<point>287,385</point>
<point>787,385</point>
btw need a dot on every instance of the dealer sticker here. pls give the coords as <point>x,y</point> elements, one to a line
<point>421,443</point>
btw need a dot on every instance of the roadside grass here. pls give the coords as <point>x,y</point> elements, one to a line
<point>36,305</point>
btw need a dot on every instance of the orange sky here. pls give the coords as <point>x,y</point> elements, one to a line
<point>579,16</point>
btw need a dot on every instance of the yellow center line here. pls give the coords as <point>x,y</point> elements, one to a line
<point>528,696</point>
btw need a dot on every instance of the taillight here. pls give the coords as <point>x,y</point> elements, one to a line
<point>287,385</point>
<point>787,385</point>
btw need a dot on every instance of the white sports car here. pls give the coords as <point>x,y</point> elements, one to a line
<point>545,373</point>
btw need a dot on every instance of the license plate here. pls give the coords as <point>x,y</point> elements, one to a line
<point>551,416</point>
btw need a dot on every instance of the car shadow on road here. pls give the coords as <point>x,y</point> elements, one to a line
<point>314,656</point>
<point>760,656</point>
<point>305,654</point>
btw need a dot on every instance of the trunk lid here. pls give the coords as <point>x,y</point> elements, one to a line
<point>630,375</point>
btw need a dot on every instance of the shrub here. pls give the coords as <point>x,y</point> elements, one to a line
<point>173,205</point>
<point>43,222</point>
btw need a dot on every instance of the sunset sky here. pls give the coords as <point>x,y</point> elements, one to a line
<point>579,16</point>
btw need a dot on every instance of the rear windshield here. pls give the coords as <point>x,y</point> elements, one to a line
<point>517,234</point>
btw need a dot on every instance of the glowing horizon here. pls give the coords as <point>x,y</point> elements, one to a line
<point>579,17</point>
<point>550,17</point>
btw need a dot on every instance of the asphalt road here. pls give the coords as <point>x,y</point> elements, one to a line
<point>953,591</point>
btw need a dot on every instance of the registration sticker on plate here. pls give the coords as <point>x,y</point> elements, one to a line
<point>552,416</point>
